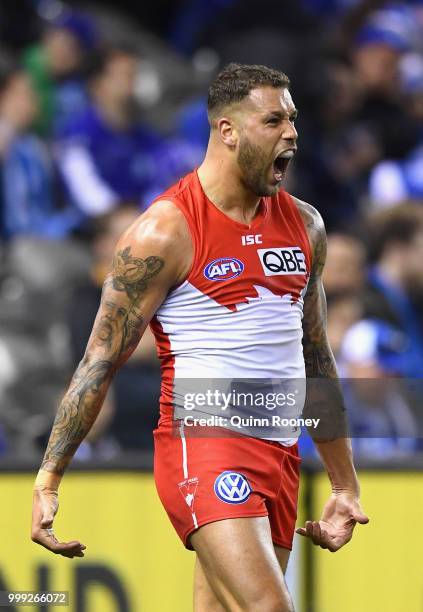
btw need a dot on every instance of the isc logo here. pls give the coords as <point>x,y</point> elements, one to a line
<point>251,239</point>
<point>278,261</point>
<point>223,269</point>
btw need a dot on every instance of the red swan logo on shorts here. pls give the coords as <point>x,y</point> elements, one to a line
<point>188,488</point>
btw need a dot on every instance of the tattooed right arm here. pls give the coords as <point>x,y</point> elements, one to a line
<point>152,256</point>
<point>144,268</point>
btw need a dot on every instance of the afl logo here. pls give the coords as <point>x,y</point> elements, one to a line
<point>223,269</point>
<point>232,488</point>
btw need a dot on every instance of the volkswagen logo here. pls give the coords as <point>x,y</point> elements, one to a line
<point>232,487</point>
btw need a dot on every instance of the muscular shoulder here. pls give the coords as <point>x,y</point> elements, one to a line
<point>161,231</point>
<point>312,219</point>
<point>163,224</point>
<point>316,232</point>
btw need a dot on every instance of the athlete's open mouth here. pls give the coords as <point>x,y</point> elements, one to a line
<point>280,164</point>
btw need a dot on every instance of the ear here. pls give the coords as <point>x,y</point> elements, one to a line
<point>228,132</point>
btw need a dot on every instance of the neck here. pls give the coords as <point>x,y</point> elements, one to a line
<point>222,184</point>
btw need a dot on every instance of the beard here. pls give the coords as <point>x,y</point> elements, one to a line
<point>254,166</point>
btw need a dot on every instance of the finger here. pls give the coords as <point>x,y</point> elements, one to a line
<point>336,543</point>
<point>67,549</point>
<point>310,531</point>
<point>324,540</point>
<point>314,532</point>
<point>360,517</point>
<point>303,530</point>
<point>335,546</point>
<point>317,533</point>
<point>71,553</point>
<point>47,539</point>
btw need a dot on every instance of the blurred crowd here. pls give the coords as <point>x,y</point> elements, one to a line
<point>99,113</point>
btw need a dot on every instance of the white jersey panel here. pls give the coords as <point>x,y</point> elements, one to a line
<point>260,339</point>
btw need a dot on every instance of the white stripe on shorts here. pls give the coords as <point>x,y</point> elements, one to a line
<point>185,464</point>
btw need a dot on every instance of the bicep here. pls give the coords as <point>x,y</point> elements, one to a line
<point>151,258</point>
<point>119,324</point>
<point>133,291</point>
<point>315,309</point>
<point>318,357</point>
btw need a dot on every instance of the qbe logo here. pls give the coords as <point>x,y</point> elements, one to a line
<point>232,488</point>
<point>278,261</point>
<point>223,269</point>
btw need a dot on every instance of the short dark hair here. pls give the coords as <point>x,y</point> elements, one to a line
<point>235,82</point>
<point>98,60</point>
<point>396,225</point>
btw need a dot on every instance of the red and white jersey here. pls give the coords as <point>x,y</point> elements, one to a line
<point>238,313</point>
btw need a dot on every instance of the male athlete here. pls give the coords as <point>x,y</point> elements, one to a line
<point>226,268</point>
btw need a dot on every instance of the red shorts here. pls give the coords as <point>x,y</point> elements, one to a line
<point>205,479</point>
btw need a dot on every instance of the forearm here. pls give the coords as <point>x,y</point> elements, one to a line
<point>324,399</point>
<point>326,402</point>
<point>75,416</point>
<point>337,458</point>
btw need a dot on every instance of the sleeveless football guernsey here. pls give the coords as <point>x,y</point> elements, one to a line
<point>238,314</point>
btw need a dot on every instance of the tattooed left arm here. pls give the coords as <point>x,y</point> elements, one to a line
<point>325,401</point>
<point>324,394</point>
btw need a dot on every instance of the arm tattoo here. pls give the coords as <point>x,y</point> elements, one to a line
<point>116,333</point>
<point>76,414</point>
<point>324,397</point>
<point>130,274</point>
<point>318,357</point>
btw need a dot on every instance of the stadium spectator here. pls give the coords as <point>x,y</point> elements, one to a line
<point>395,278</point>
<point>344,273</point>
<point>29,203</point>
<point>56,67</point>
<point>107,157</point>
<point>359,114</point>
<point>378,46</point>
<point>382,423</point>
<point>394,180</point>
<point>343,279</point>
<point>192,20</point>
<point>378,54</point>
<point>343,312</point>
<point>192,124</point>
